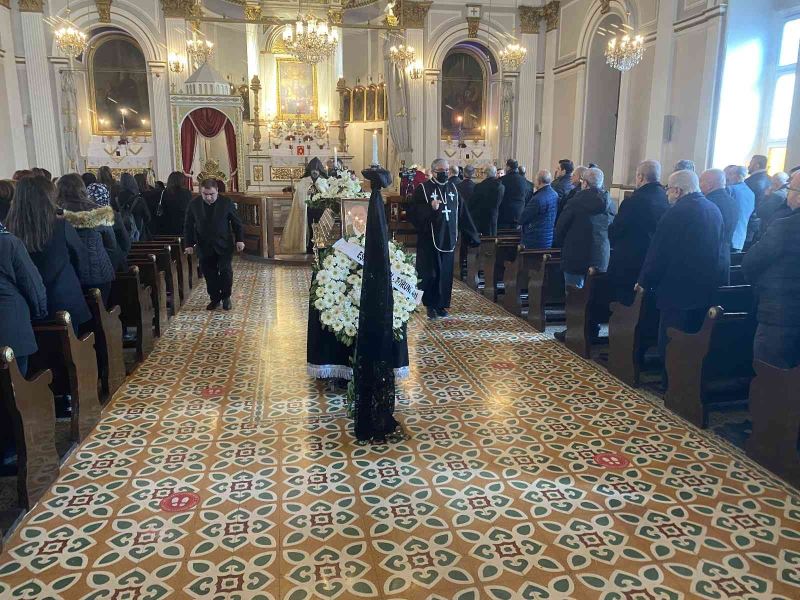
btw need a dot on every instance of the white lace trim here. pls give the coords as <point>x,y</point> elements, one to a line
<point>342,372</point>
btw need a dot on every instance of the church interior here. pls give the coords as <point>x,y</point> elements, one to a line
<point>550,447</point>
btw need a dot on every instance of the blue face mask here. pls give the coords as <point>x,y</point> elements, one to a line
<point>441,176</point>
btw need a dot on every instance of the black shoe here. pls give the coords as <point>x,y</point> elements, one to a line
<point>226,304</point>
<point>432,314</point>
<point>442,312</point>
<point>560,335</point>
<point>212,305</point>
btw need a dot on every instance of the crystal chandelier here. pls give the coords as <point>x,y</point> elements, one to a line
<point>401,55</point>
<point>199,51</point>
<point>69,39</point>
<point>513,56</point>
<point>310,40</point>
<point>624,53</point>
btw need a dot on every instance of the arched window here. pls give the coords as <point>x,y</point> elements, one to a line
<point>463,94</point>
<point>118,83</point>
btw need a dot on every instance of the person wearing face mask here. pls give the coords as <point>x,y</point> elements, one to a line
<point>688,259</point>
<point>439,214</point>
<point>295,234</point>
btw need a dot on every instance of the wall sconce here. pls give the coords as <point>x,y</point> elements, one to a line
<point>415,70</point>
<point>177,64</point>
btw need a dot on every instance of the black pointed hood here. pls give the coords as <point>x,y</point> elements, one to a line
<point>315,164</point>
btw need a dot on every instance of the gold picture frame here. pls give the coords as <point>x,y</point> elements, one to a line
<point>365,104</point>
<point>286,67</point>
<point>354,216</point>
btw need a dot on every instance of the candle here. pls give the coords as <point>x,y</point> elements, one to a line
<point>335,156</point>
<point>375,161</point>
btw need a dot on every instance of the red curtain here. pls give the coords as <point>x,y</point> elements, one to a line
<point>208,122</point>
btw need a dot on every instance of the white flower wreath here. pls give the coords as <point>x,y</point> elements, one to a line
<point>336,292</point>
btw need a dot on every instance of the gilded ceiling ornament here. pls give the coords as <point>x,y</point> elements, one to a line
<point>473,23</point>
<point>335,16</point>
<point>252,12</point>
<point>605,6</point>
<point>180,9</point>
<point>103,10</point>
<point>412,14</point>
<point>31,5</point>
<point>552,10</point>
<point>529,18</point>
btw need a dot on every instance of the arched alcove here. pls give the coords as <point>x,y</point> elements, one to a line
<point>465,89</point>
<point>602,102</point>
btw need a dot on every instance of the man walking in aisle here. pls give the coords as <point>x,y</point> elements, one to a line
<point>214,227</point>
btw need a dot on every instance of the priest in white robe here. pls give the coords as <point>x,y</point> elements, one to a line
<point>295,233</point>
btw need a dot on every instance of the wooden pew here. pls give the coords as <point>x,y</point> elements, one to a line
<point>712,367</point>
<point>586,307</point>
<point>736,258</point>
<point>516,277</point>
<point>189,259</point>
<point>107,328</point>
<point>30,406</point>
<point>74,366</point>
<point>631,331</point>
<point>775,413</point>
<point>165,263</point>
<point>135,301</point>
<point>737,276</point>
<point>473,267</point>
<point>490,254</point>
<point>545,289</point>
<point>150,276</point>
<point>180,261</point>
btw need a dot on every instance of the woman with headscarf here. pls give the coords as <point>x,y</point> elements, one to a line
<point>132,207</point>
<point>295,234</point>
<point>95,227</point>
<point>98,193</point>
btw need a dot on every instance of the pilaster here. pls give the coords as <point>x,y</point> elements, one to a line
<point>159,119</point>
<point>662,80</point>
<point>416,97</point>
<point>432,127</point>
<point>176,46</point>
<point>526,103</point>
<point>43,107</point>
<point>16,152</point>
<point>548,98</point>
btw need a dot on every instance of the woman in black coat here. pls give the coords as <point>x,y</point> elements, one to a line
<point>172,205</point>
<point>95,226</point>
<point>132,206</point>
<point>53,245</point>
<point>98,193</point>
<point>22,298</point>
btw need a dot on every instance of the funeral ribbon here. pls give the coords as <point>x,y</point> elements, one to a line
<point>399,282</point>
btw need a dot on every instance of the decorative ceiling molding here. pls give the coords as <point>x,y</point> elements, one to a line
<point>252,12</point>
<point>335,16</point>
<point>31,5</point>
<point>103,10</point>
<point>349,4</point>
<point>552,11</point>
<point>178,9</point>
<point>412,14</point>
<point>531,16</point>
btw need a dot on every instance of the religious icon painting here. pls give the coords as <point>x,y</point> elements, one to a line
<point>354,216</point>
<point>381,102</point>
<point>359,100</point>
<point>301,151</point>
<point>297,89</point>
<point>371,105</point>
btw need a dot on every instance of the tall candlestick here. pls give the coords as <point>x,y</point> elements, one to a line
<point>335,156</point>
<point>375,161</point>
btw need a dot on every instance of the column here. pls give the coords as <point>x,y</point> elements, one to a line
<point>621,173</point>
<point>578,123</point>
<point>525,116</point>
<point>662,78</point>
<point>548,99</point>
<point>67,115</point>
<point>15,151</point>
<point>416,95</point>
<point>40,89</point>
<point>709,93</point>
<point>159,119</point>
<point>432,127</point>
<point>176,46</point>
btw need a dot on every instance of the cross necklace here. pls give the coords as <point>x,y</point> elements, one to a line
<point>445,211</point>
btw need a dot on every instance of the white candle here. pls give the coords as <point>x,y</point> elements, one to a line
<point>375,148</point>
<point>335,156</point>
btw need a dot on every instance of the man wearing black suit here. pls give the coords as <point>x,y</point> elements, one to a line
<point>712,184</point>
<point>516,189</point>
<point>485,202</point>
<point>213,226</point>
<point>759,180</point>
<point>633,228</point>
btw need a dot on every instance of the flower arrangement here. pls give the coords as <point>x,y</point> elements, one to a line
<point>336,291</point>
<point>339,188</point>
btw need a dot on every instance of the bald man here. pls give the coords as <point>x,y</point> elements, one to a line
<point>712,184</point>
<point>773,266</point>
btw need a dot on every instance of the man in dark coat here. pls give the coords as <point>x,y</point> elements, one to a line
<point>582,230</point>
<point>539,216</point>
<point>688,258</point>
<point>563,184</point>
<point>633,229</point>
<point>576,182</point>
<point>773,266</point>
<point>774,205</point>
<point>759,180</point>
<point>712,184</point>
<point>213,225</point>
<point>485,202</point>
<point>466,187</point>
<point>439,214</point>
<point>516,188</point>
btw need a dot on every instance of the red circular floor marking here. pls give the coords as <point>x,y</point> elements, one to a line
<point>611,460</point>
<point>180,502</point>
<point>503,366</point>
<point>212,391</point>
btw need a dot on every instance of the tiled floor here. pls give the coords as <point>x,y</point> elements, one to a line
<point>529,473</point>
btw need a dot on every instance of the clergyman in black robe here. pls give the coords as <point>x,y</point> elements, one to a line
<point>439,214</point>
<point>373,368</point>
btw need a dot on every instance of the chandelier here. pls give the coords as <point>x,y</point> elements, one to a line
<point>624,53</point>
<point>69,39</point>
<point>414,70</point>
<point>310,40</point>
<point>199,51</point>
<point>512,57</point>
<point>402,55</point>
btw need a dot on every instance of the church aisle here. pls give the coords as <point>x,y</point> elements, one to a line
<point>222,471</point>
